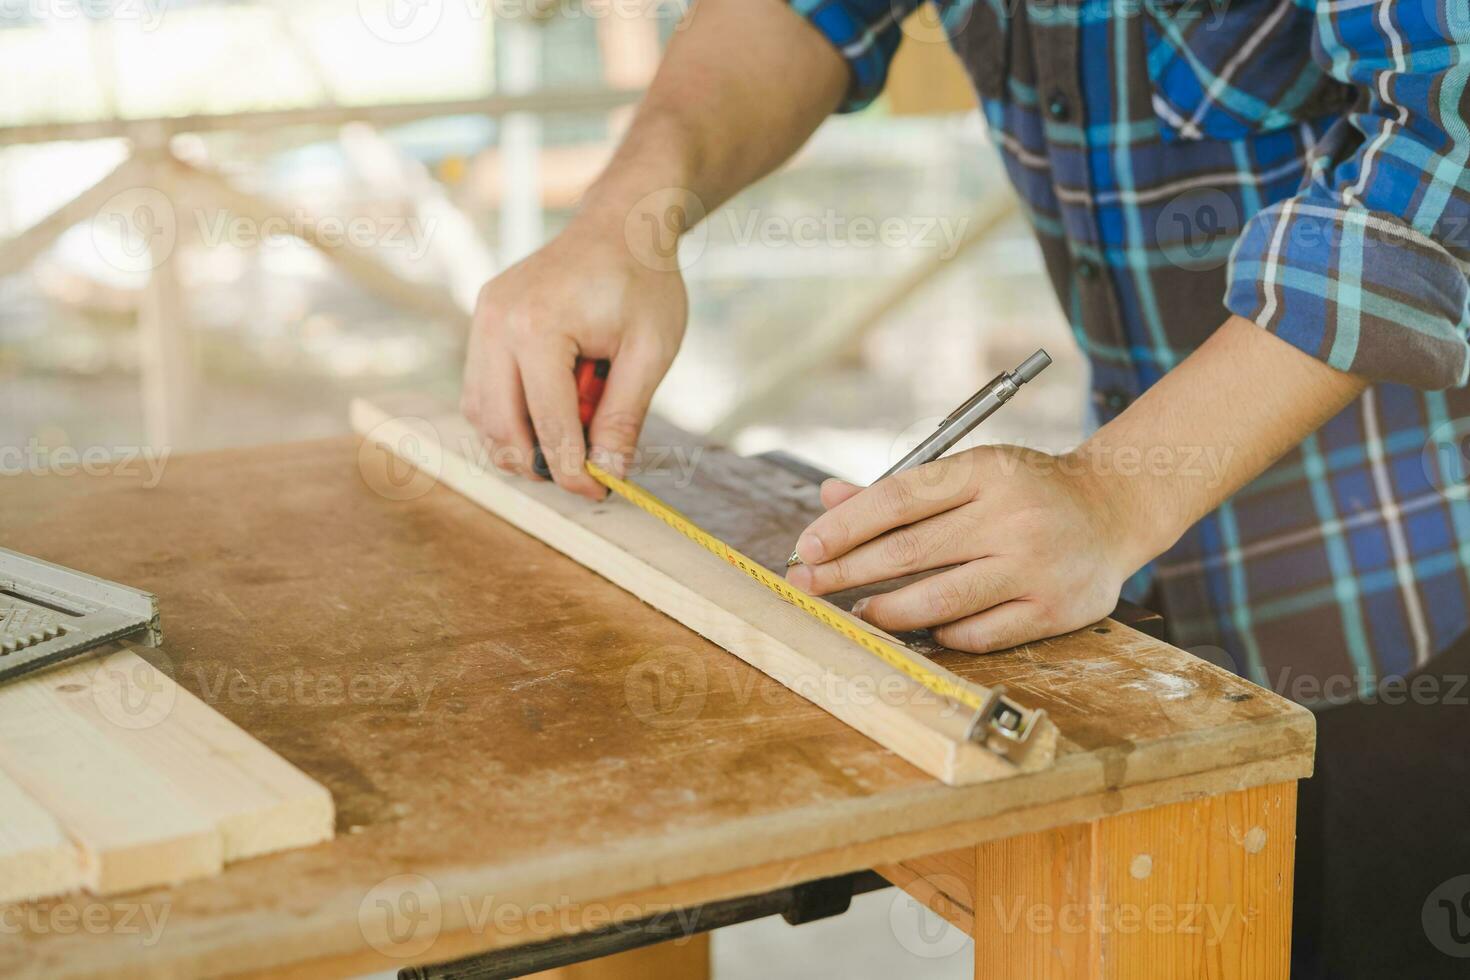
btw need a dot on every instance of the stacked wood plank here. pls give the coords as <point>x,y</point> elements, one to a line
<point>114,778</point>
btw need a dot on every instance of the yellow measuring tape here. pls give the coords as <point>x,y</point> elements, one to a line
<point>892,655</point>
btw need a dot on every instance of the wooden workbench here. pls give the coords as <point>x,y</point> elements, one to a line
<point>518,749</point>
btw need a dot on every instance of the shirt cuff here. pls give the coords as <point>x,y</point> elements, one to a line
<point>1358,289</point>
<point>865,33</point>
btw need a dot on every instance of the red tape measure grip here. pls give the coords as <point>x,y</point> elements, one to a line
<point>591,375</point>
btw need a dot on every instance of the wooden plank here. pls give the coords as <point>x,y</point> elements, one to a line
<point>134,828</point>
<point>561,747</point>
<point>673,574</point>
<point>1191,889</point>
<point>152,785</point>
<point>37,859</point>
<point>258,802</point>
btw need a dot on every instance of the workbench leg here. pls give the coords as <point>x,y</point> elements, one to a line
<point>676,960</point>
<point>1194,889</point>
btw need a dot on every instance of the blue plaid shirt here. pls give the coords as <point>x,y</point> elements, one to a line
<point>1301,163</point>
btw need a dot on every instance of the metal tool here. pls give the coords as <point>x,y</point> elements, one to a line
<point>50,614</point>
<point>959,423</point>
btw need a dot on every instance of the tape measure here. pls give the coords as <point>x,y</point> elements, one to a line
<point>999,723</point>
<point>995,716</point>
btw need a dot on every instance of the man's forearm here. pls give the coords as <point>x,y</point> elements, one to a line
<point>1208,427</point>
<point>741,87</point>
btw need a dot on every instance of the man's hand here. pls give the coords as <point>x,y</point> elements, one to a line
<point>1041,544</point>
<point>711,123</point>
<point>1030,544</point>
<point>584,294</point>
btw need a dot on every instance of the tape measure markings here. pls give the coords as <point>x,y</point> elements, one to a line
<point>824,613</point>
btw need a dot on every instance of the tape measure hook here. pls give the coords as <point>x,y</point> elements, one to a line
<point>1002,725</point>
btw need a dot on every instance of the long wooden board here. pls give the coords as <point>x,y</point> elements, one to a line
<point>673,574</point>
<point>113,778</point>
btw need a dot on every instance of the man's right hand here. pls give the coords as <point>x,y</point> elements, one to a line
<point>609,286</point>
<point>585,294</point>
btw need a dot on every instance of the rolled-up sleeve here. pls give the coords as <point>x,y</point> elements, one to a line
<point>865,33</point>
<point>1366,267</point>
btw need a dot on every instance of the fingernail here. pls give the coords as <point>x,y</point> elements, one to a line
<point>809,547</point>
<point>859,606</point>
<point>799,576</point>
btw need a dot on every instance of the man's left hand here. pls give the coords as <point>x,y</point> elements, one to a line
<point>1032,545</point>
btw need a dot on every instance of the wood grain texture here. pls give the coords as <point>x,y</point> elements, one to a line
<point>641,554</point>
<point>147,785</point>
<point>36,856</point>
<point>559,747</point>
<point>943,882</point>
<point>1192,889</point>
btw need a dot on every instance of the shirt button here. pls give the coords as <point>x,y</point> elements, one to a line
<point>1058,107</point>
<point>1115,399</point>
<point>1087,269</point>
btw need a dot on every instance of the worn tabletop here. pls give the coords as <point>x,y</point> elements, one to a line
<point>516,747</point>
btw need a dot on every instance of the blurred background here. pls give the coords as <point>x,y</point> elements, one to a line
<point>222,219</point>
